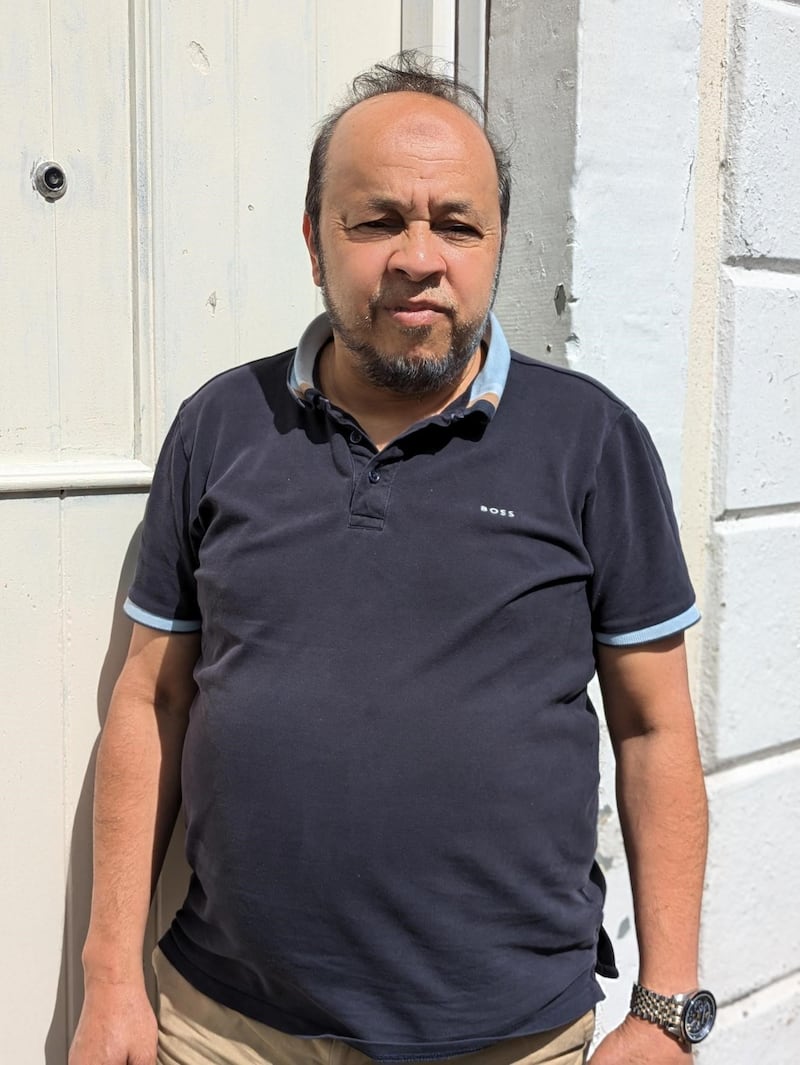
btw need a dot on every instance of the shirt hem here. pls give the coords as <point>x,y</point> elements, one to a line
<point>389,1053</point>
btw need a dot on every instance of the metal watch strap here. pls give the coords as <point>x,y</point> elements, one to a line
<point>663,1010</point>
<point>687,1017</point>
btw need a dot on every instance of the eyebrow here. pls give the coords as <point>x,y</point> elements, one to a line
<point>379,203</point>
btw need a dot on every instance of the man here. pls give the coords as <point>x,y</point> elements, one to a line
<point>376,576</point>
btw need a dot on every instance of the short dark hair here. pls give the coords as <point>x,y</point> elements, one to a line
<point>408,71</point>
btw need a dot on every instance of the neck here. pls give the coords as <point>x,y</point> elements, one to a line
<point>383,414</point>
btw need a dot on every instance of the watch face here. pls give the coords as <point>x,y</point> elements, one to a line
<point>698,1016</point>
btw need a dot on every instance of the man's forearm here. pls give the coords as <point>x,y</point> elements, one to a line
<point>137,795</point>
<point>662,805</point>
<point>662,808</point>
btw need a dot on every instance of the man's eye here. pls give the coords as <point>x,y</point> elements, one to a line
<point>379,223</point>
<point>459,229</point>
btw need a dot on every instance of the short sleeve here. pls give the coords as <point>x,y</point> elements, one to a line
<point>164,593</point>
<point>640,588</point>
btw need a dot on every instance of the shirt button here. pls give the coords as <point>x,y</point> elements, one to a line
<point>356,437</point>
<point>374,476</point>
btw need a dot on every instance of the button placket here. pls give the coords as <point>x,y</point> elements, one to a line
<point>371,491</point>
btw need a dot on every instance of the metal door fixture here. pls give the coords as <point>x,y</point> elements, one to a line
<point>49,180</point>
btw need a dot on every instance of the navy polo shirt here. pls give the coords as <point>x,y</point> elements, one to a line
<point>390,771</point>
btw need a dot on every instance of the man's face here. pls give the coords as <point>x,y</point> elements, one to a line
<point>410,239</point>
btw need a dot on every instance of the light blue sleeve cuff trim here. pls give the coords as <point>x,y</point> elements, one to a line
<point>153,621</point>
<point>654,632</point>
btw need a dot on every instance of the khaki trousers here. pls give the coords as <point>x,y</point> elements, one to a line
<point>195,1030</point>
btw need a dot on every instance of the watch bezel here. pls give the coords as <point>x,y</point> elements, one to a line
<point>689,1032</point>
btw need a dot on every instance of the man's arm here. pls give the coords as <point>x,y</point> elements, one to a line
<point>137,796</point>
<point>663,812</point>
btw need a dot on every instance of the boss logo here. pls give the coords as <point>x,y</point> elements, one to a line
<point>501,512</point>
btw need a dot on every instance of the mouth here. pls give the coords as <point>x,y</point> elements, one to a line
<point>417,312</point>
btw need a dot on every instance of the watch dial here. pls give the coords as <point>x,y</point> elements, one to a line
<point>698,1016</point>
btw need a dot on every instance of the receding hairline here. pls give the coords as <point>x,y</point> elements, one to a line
<point>417,101</point>
<point>439,107</point>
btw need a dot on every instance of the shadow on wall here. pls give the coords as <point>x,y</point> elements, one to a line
<point>77,904</point>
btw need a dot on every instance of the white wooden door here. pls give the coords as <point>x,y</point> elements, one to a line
<point>182,131</point>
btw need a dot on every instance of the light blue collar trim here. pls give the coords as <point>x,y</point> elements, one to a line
<point>487,387</point>
<point>491,381</point>
<point>315,337</point>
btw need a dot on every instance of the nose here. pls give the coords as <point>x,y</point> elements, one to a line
<point>417,253</point>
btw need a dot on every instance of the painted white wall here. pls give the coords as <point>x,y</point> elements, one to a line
<point>633,206</point>
<point>751,726</point>
<point>631,285</point>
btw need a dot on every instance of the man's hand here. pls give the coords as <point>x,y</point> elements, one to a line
<point>637,1042</point>
<point>117,1027</point>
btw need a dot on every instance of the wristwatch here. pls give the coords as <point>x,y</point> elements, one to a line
<point>688,1017</point>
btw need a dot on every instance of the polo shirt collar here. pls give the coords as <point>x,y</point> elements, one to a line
<point>485,391</point>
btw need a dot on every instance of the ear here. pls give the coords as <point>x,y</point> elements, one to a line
<point>308,237</point>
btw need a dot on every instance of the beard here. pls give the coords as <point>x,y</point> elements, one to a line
<point>409,375</point>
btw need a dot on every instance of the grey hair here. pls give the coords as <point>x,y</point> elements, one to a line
<point>408,71</point>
